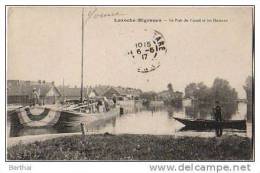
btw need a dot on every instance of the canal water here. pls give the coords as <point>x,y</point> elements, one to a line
<point>138,119</point>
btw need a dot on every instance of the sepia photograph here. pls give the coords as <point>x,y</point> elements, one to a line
<point>130,83</point>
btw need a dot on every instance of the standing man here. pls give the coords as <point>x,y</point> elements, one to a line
<point>218,118</point>
<point>217,112</point>
<point>35,97</point>
<point>114,99</point>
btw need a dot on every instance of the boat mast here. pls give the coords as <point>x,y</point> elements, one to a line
<point>82,54</point>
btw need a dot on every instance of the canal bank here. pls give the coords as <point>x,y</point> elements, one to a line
<point>134,147</point>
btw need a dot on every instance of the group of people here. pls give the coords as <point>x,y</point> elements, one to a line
<point>92,105</point>
<point>103,104</point>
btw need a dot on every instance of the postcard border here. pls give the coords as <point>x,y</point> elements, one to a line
<point>253,84</point>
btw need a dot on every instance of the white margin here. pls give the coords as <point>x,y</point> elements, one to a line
<point>113,167</point>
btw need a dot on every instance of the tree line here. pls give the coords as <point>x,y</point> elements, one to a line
<point>219,91</point>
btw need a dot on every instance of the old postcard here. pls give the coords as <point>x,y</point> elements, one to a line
<point>129,83</point>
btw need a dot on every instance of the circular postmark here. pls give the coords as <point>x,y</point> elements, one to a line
<point>147,52</point>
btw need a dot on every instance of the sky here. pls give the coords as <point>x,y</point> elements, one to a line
<point>44,43</point>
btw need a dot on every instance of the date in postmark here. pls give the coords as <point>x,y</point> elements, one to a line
<point>147,52</point>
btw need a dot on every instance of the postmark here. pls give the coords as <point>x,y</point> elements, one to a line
<point>148,51</point>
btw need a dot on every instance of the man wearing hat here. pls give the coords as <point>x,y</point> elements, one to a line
<point>35,97</point>
<point>217,112</point>
<point>218,118</point>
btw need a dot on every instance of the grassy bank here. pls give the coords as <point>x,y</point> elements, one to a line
<point>134,147</point>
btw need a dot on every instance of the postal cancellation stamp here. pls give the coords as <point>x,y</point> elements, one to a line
<point>147,51</point>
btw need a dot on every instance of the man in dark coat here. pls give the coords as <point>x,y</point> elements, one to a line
<point>218,117</point>
<point>217,112</point>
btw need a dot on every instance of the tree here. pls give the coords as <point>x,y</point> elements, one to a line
<point>191,90</point>
<point>149,95</point>
<point>248,88</point>
<point>170,89</point>
<point>222,91</point>
<point>203,93</point>
<point>198,91</point>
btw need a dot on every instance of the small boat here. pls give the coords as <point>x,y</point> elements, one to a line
<point>212,124</point>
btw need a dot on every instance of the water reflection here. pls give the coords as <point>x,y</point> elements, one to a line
<point>139,120</point>
<point>229,111</point>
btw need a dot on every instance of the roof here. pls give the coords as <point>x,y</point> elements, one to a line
<point>70,91</point>
<point>53,91</point>
<point>166,93</point>
<point>127,91</point>
<point>120,90</point>
<point>90,90</point>
<point>99,90</point>
<point>75,91</point>
<point>26,88</point>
